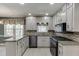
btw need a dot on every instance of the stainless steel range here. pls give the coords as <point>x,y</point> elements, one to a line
<point>54,44</point>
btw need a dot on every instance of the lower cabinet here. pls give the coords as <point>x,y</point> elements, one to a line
<point>43,42</point>
<point>60,50</point>
<point>68,50</point>
<point>2,50</point>
<point>22,46</point>
<point>17,48</point>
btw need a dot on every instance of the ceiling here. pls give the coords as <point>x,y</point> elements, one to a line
<point>22,10</point>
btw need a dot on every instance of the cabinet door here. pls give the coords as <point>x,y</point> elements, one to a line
<point>50,23</point>
<point>53,23</point>
<point>69,5</point>
<point>27,42</point>
<point>43,42</point>
<point>64,7</point>
<point>31,23</point>
<point>19,47</point>
<point>60,50</point>
<point>22,45</point>
<point>69,19</point>
<point>63,16</point>
<point>2,50</point>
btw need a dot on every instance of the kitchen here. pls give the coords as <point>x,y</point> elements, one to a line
<point>39,29</point>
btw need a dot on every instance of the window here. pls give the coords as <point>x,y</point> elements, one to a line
<point>9,29</point>
<point>42,28</point>
<point>19,31</point>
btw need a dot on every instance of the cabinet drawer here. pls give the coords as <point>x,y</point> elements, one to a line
<point>43,37</point>
<point>69,5</point>
<point>43,40</point>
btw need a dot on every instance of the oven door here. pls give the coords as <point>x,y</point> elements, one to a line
<point>53,47</point>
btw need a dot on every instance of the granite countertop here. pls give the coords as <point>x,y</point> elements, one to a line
<point>40,34</point>
<point>9,39</point>
<point>65,41</point>
<point>68,43</point>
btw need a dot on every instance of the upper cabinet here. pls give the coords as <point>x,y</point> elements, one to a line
<point>60,16</point>
<point>69,13</point>
<point>31,23</point>
<point>63,14</point>
<point>76,17</point>
<point>69,21</point>
<point>73,17</point>
<point>69,5</point>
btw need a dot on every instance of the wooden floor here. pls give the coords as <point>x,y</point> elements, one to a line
<point>37,52</point>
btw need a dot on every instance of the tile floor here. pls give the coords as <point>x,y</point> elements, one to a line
<point>37,52</point>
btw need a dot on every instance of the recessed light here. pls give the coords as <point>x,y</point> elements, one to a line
<point>1,22</point>
<point>46,14</point>
<point>29,14</point>
<point>21,3</point>
<point>51,3</point>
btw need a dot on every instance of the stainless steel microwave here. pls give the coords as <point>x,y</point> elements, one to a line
<point>60,27</point>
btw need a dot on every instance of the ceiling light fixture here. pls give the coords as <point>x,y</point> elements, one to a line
<point>51,3</point>
<point>21,3</point>
<point>1,22</point>
<point>46,14</point>
<point>29,14</point>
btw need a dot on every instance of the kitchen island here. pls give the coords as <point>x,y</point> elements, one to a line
<point>13,47</point>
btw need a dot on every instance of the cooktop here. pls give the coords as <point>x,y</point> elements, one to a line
<point>59,38</point>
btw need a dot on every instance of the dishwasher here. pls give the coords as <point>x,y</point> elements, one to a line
<point>32,41</point>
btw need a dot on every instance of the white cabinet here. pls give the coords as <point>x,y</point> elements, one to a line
<point>31,23</point>
<point>19,47</point>
<point>54,22</point>
<point>23,44</point>
<point>43,41</point>
<point>63,14</point>
<point>73,18</point>
<point>16,48</point>
<point>69,19</point>
<point>60,50</point>
<point>58,18</point>
<point>69,5</point>
<point>68,49</point>
<point>63,17</point>
<point>69,14</point>
<point>64,7</point>
<point>2,49</point>
<point>76,17</point>
<point>50,23</point>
